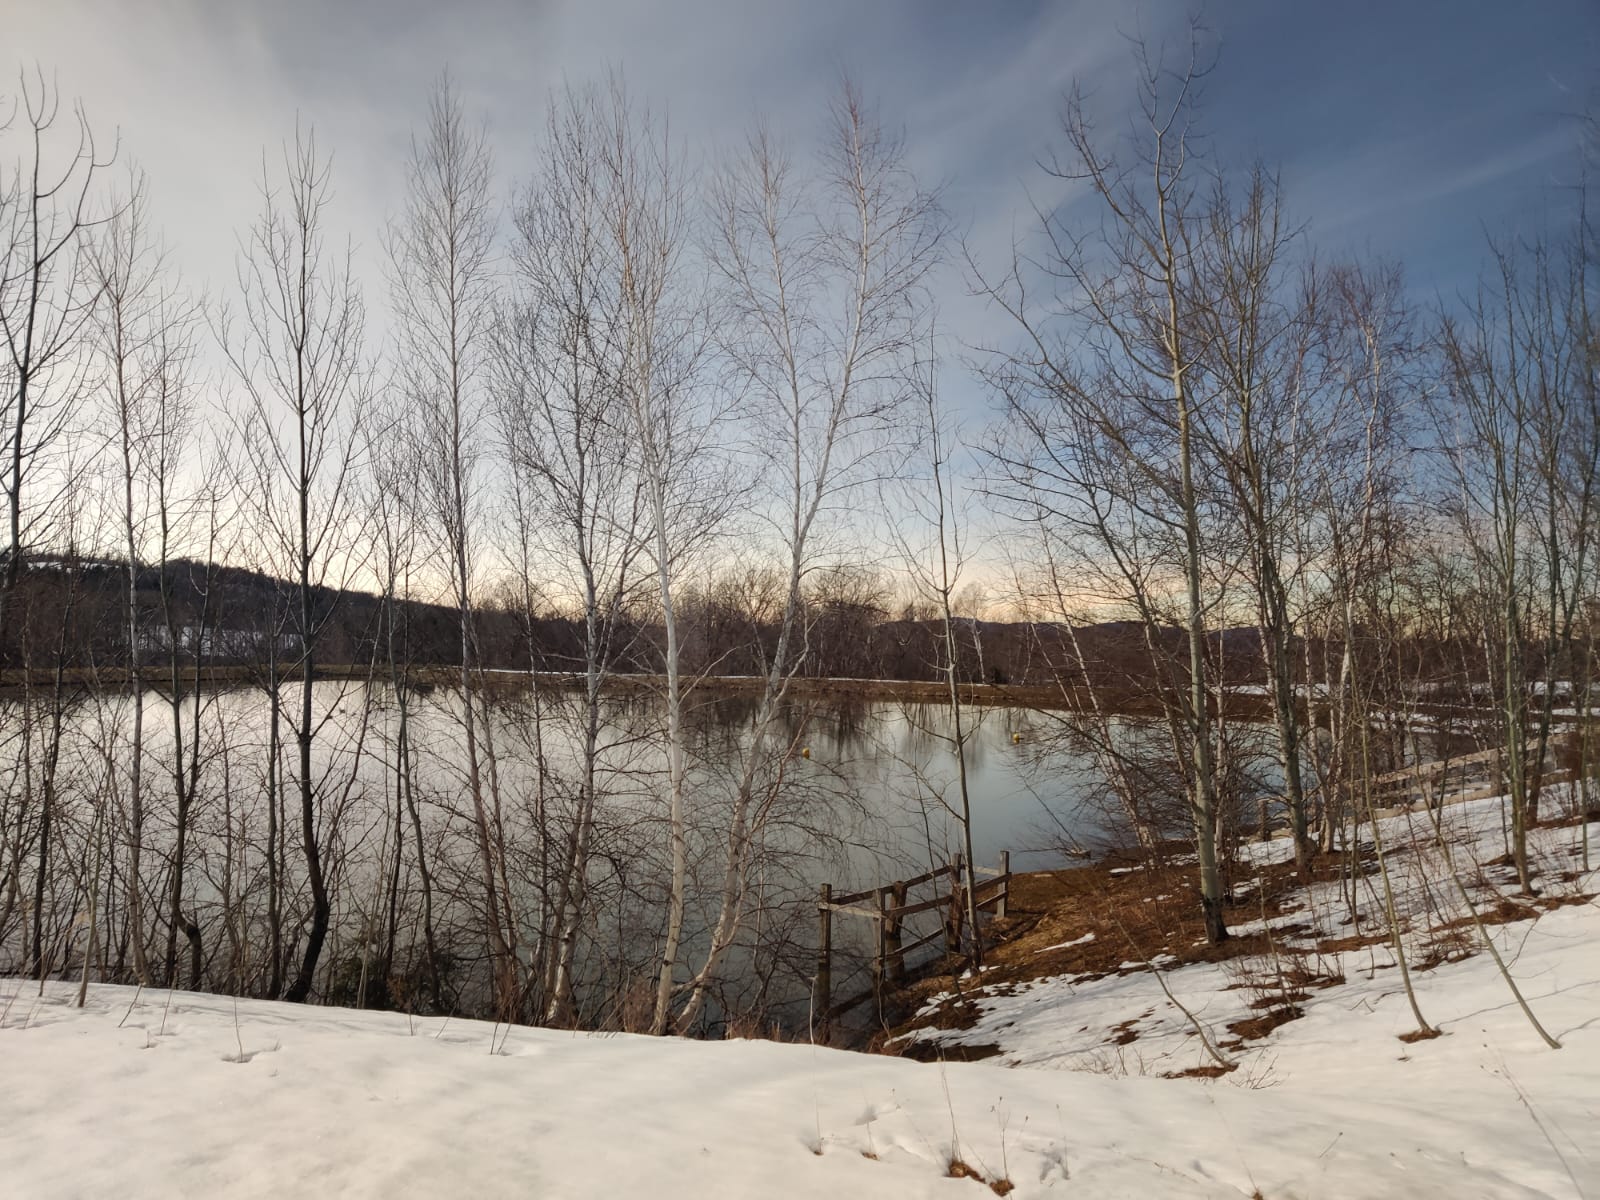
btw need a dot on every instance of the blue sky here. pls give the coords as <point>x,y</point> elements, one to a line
<point>1403,129</point>
<point>1411,129</point>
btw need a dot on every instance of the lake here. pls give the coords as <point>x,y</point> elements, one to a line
<point>859,792</point>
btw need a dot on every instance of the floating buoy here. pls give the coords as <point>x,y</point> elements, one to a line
<point>1015,738</point>
<point>806,752</point>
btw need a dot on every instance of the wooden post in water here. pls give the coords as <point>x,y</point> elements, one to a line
<point>891,935</point>
<point>823,1000</point>
<point>1005,884</point>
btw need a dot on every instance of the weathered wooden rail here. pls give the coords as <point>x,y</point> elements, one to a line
<point>1465,777</point>
<point>887,907</point>
<point>1458,779</point>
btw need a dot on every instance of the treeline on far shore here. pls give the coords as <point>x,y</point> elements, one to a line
<point>232,622</point>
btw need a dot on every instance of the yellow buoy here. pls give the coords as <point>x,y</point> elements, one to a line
<point>1015,738</point>
<point>806,752</point>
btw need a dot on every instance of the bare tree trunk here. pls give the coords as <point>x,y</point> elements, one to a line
<point>677,765</point>
<point>274,821</point>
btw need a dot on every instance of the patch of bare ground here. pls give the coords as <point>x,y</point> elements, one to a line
<point>958,1169</point>
<point>1420,1035</point>
<point>1107,918</point>
<point>1252,1028</point>
<point>956,1052</point>
<point>1507,910</point>
<point>1376,935</point>
<point>1209,1071</point>
<point>1124,1032</point>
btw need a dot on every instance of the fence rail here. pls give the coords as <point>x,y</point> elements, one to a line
<point>1457,779</point>
<point>1454,778</point>
<point>887,906</point>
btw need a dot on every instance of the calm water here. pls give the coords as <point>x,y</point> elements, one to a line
<point>866,794</point>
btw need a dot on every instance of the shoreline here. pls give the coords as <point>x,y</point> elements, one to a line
<point>1032,696</point>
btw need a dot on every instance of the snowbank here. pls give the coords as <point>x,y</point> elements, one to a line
<point>105,1101</point>
<point>140,1095</point>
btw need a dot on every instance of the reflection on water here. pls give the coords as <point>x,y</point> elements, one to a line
<point>861,792</point>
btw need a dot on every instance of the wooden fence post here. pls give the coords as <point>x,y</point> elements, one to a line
<point>891,935</point>
<point>824,997</point>
<point>1005,884</point>
<point>880,958</point>
<point>957,918</point>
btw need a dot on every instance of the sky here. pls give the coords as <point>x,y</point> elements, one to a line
<point>1407,129</point>
<point>1402,128</point>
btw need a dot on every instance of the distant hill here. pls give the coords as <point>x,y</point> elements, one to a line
<point>233,615</point>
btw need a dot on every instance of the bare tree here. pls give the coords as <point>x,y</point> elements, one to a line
<point>1499,419</point>
<point>578,503</point>
<point>296,351</point>
<point>441,254</point>
<point>1260,429</point>
<point>188,630</point>
<point>47,208</point>
<point>824,267</point>
<point>144,329</point>
<point>935,557</point>
<point>1112,363</point>
<point>126,272</point>
<point>658,351</point>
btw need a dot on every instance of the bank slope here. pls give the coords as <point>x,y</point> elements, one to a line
<point>203,1098</point>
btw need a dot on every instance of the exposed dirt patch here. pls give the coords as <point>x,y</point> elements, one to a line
<point>1420,1035</point>
<point>1503,911</point>
<point>1252,1028</point>
<point>1305,977</point>
<point>1128,913</point>
<point>1209,1071</point>
<point>956,1052</point>
<point>1112,917</point>
<point>1353,941</point>
<point>1552,902</point>
<point>1507,910</point>
<point>1450,945</point>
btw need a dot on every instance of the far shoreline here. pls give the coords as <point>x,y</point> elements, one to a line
<point>433,675</point>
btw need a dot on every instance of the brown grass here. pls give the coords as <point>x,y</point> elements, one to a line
<point>938,1052</point>
<point>1138,911</point>
<point>1208,1071</point>
<point>1252,1028</point>
<point>1134,914</point>
<point>1354,941</point>
<point>1420,1035</point>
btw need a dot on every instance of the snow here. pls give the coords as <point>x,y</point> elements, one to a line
<point>131,1098</point>
<point>1079,941</point>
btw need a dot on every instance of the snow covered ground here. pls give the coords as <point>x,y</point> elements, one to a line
<point>207,1098</point>
<point>1062,1021</point>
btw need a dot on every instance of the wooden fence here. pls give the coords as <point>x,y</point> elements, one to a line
<point>1476,776</point>
<point>887,907</point>
<point>1458,779</point>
